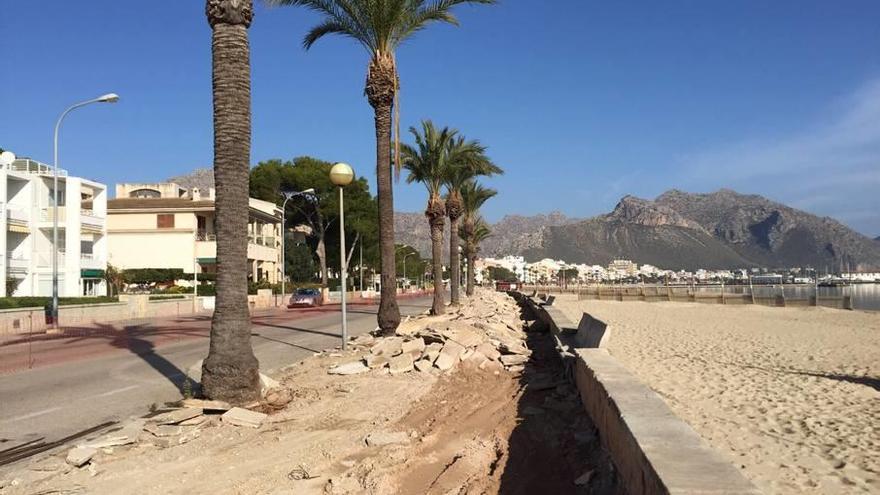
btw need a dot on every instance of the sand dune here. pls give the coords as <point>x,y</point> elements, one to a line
<point>792,395</point>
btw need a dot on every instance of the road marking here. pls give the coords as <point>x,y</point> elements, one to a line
<point>32,415</point>
<point>118,390</point>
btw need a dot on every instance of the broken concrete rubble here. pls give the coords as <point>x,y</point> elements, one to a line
<point>243,417</point>
<point>352,368</point>
<point>79,456</point>
<point>401,364</point>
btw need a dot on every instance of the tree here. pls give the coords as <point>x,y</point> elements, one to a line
<point>300,263</point>
<point>501,274</point>
<point>413,267</point>
<point>114,278</point>
<point>231,371</point>
<point>467,159</point>
<point>426,163</point>
<point>321,210</point>
<point>380,26</point>
<point>473,229</point>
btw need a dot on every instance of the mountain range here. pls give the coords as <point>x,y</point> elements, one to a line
<point>678,230</point>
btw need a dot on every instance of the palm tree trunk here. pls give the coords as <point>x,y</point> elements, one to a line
<point>471,274</point>
<point>436,222</point>
<point>231,371</point>
<point>454,262</point>
<point>380,89</point>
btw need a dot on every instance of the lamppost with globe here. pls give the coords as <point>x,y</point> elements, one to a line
<point>341,175</point>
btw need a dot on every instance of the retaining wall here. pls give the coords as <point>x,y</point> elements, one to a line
<point>654,451</point>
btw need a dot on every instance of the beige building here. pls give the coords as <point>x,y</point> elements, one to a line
<point>168,226</point>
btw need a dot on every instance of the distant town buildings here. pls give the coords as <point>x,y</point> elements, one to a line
<point>168,226</point>
<point>27,213</point>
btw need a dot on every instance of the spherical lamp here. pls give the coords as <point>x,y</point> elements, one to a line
<point>341,174</point>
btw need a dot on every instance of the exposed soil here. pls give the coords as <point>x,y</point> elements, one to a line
<point>464,431</point>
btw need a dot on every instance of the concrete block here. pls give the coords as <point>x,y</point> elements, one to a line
<point>514,359</point>
<point>423,365</point>
<point>207,405</point>
<point>243,417</point>
<point>389,346</point>
<point>401,364</point>
<point>449,355</point>
<point>373,361</point>
<point>413,346</point>
<point>592,333</point>
<point>79,456</point>
<point>176,416</point>
<point>489,351</point>
<point>352,368</point>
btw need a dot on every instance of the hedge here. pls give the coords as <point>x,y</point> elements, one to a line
<point>40,302</point>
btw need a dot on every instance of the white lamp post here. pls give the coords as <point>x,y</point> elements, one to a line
<point>405,278</point>
<point>288,195</point>
<point>341,175</point>
<point>108,98</point>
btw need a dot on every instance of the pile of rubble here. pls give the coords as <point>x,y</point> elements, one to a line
<point>485,331</point>
<point>179,423</point>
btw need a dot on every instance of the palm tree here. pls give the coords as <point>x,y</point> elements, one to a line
<point>380,26</point>
<point>231,371</point>
<point>427,163</point>
<point>467,159</point>
<point>473,229</point>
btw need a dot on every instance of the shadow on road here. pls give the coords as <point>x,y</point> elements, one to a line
<point>134,338</point>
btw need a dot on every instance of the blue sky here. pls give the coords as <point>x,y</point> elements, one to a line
<point>580,101</point>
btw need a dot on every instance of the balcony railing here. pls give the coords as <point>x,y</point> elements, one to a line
<point>88,217</point>
<point>88,260</point>
<point>17,261</point>
<point>47,214</point>
<point>206,237</point>
<point>16,215</point>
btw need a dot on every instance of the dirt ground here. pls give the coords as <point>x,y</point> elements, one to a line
<point>464,431</point>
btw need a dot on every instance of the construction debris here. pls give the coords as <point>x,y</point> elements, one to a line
<point>486,331</point>
<point>79,456</point>
<point>243,417</point>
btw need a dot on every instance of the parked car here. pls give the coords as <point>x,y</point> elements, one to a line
<point>305,298</point>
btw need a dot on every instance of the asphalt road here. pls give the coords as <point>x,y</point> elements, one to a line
<point>58,400</point>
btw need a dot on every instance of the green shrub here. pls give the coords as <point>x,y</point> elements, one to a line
<point>160,297</point>
<point>40,302</point>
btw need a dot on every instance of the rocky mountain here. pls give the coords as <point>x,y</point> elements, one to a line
<point>513,234</point>
<point>720,229</point>
<point>203,178</point>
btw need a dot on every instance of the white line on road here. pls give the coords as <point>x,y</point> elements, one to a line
<point>118,390</point>
<point>32,415</point>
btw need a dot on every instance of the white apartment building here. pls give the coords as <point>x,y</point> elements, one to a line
<point>26,189</point>
<point>168,226</point>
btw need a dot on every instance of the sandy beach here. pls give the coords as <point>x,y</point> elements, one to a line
<point>790,395</point>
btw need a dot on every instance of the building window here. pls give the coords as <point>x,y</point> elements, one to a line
<point>165,221</point>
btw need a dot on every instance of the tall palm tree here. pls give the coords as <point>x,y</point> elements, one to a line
<point>380,26</point>
<point>472,241</point>
<point>427,163</point>
<point>473,229</point>
<point>231,371</point>
<point>467,159</point>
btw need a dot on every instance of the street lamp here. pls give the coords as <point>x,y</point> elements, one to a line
<point>288,195</point>
<point>341,175</point>
<point>405,279</point>
<point>108,98</point>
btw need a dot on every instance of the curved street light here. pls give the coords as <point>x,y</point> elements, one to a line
<point>107,98</point>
